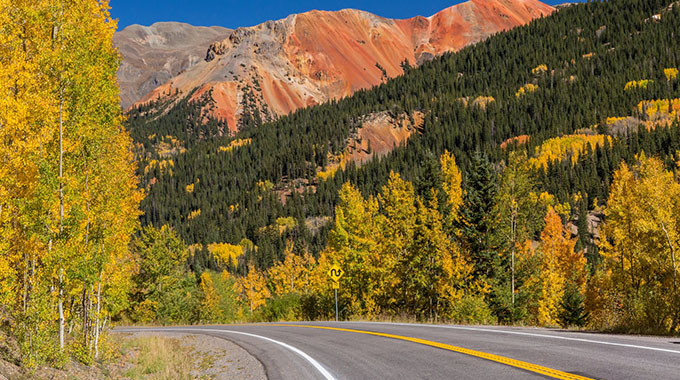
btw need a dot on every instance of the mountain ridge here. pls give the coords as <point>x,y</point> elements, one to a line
<point>312,57</point>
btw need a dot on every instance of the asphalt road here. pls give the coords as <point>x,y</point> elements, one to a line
<point>357,350</point>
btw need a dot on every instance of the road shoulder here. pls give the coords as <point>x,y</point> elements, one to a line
<point>208,357</point>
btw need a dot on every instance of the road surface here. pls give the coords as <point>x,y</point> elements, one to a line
<point>359,350</point>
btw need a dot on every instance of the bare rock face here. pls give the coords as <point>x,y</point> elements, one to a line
<point>310,58</point>
<point>154,54</point>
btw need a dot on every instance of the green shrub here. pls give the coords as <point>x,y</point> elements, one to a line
<point>473,310</point>
<point>287,307</point>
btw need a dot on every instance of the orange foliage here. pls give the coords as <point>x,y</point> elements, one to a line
<point>517,140</point>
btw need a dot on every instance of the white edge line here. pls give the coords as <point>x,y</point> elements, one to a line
<point>326,374</point>
<point>528,334</point>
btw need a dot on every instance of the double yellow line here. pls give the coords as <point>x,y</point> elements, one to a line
<point>479,354</point>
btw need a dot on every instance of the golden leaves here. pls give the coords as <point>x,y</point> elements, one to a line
<point>225,253</point>
<point>671,73</point>
<point>637,84</point>
<point>569,146</point>
<point>526,89</point>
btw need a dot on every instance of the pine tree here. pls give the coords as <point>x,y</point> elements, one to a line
<point>480,187</point>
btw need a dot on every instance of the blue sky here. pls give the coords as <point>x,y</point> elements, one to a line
<point>232,14</point>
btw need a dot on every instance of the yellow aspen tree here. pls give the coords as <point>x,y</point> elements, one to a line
<point>27,126</point>
<point>558,258</point>
<point>66,166</point>
<point>252,289</point>
<point>225,253</point>
<point>518,216</point>
<point>452,179</point>
<point>426,257</point>
<point>289,275</point>
<point>209,311</point>
<point>96,180</point>
<point>641,242</point>
<point>397,201</point>
<point>352,244</point>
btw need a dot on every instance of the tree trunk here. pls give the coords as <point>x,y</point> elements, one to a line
<point>97,317</point>
<point>61,190</point>
<point>61,310</point>
<point>85,314</point>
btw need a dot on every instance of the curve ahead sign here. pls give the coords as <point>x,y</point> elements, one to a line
<point>335,272</point>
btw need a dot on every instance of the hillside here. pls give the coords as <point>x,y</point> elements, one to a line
<point>310,58</point>
<point>590,53</point>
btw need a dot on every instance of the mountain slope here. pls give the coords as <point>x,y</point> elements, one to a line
<point>227,190</point>
<point>154,54</point>
<point>310,58</point>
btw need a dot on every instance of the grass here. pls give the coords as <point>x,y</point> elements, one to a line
<point>158,358</point>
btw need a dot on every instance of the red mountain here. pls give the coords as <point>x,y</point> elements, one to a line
<point>309,58</point>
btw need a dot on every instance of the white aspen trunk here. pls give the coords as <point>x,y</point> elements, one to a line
<point>97,318</point>
<point>61,193</point>
<point>61,310</point>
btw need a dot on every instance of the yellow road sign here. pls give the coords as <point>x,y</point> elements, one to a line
<point>336,285</point>
<point>335,272</point>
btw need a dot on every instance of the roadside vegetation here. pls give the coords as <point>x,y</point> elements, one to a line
<point>158,358</point>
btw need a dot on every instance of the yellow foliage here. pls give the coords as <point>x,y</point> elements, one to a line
<point>194,248</point>
<point>640,243</point>
<point>660,108</point>
<point>671,73</point>
<point>480,101</point>
<point>209,310</point>
<point>548,200</point>
<point>225,253</point>
<point>613,120</point>
<point>452,179</point>
<point>291,274</point>
<point>540,69</point>
<point>526,89</point>
<point>338,162</point>
<point>637,84</point>
<point>165,166</point>
<point>194,214</point>
<point>266,185</point>
<point>561,266</point>
<point>66,171</point>
<point>559,148</point>
<point>235,144</point>
<point>252,289</point>
<point>285,223</point>
<point>190,188</point>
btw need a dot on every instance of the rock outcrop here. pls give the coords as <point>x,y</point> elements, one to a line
<point>154,54</point>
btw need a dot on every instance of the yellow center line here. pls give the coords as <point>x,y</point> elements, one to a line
<point>479,354</point>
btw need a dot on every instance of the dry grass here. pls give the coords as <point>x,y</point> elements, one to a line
<point>158,358</point>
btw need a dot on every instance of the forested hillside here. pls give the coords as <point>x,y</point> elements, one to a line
<point>568,73</point>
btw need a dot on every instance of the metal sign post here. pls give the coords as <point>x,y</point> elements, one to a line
<point>336,304</point>
<point>335,273</point>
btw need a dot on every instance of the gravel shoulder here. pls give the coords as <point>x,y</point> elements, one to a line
<point>210,357</point>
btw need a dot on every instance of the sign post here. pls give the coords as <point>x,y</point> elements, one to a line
<point>335,273</point>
